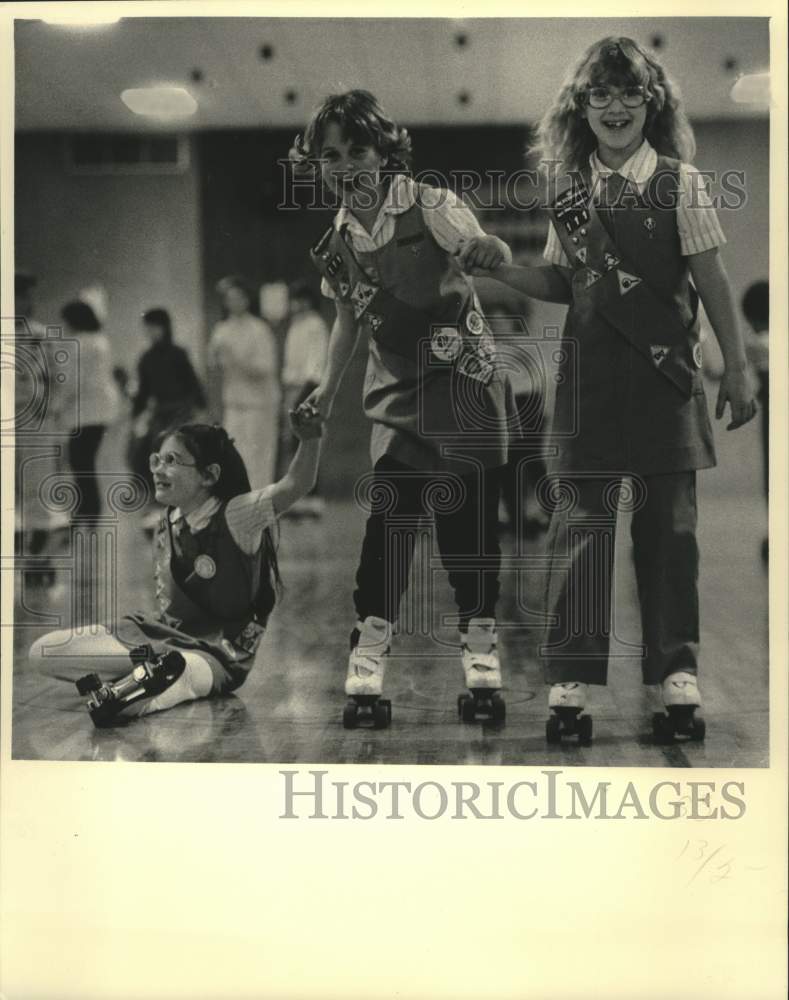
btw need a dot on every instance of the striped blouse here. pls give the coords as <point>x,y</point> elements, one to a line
<point>697,221</point>
<point>451,223</point>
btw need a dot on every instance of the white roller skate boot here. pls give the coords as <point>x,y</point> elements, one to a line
<point>482,672</point>
<point>566,702</point>
<point>364,682</point>
<point>681,697</point>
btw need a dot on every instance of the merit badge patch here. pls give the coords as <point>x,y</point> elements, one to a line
<point>476,367</point>
<point>249,638</point>
<point>361,296</point>
<point>344,289</point>
<point>627,282</point>
<point>571,209</point>
<point>474,322</point>
<point>446,343</point>
<point>374,320</point>
<point>581,255</point>
<point>205,567</point>
<point>610,261</point>
<point>334,265</point>
<point>592,276</point>
<point>698,356</point>
<point>659,353</point>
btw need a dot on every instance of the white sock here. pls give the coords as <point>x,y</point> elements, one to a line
<point>195,682</point>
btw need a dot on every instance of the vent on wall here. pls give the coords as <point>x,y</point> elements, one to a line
<point>116,153</point>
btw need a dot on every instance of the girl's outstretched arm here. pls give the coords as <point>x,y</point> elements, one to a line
<point>712,283</point>
<point>307,424</point>
<point>342,343</point>
<point>545,283</point>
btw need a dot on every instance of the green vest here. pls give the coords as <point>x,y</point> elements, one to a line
<point>630,396</point>
<point>432,389</point>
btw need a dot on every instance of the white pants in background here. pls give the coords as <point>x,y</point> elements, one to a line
<point>255,432</point>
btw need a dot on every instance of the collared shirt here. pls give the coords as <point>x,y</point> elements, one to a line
<point>697,221</point>
<point>451,223</point>
<point>247,516</point>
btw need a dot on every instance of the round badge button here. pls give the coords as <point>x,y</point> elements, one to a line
<point>205,567</point>
<point>474,322</point>
<point>446,343</point>
<point>698,356</point>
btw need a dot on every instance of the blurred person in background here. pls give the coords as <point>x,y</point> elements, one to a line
<point>306,343</point>
<point>168,394</point>
<point>756,310</point>
<point>92,401</point>
<point>243,350</point>
<point>37,446</point>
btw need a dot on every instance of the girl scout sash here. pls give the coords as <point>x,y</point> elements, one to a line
<point>462,341</point>
<point>605,277</point>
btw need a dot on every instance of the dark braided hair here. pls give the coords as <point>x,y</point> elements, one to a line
<point>209,445</point>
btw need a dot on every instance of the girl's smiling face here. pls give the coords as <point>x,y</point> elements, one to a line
<point>177,480</point>
<point>349,167</point>
<point>619,129</point>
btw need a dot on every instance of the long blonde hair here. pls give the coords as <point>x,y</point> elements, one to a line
<point>563,133</point>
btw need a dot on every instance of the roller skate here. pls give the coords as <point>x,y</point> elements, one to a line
<point>150,676</point>
<point>681,698</point>
<point>364,683</point>
<point>566,702</point>
<point>483,673</point>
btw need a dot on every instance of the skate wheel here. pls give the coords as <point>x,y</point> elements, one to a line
<point>662,729</point>
<point>88,683</point>
<point>553,730</point>
<point>698,730</point>
<point>468,709</point>
<point>382,714</point>
<point>498,709</point>
<point>349,715</point>
<point>104,715</point>
<point>585,730</point>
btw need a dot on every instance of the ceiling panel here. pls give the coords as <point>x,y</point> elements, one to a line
<point>69,78</point>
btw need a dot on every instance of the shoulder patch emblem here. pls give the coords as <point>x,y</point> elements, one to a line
<point>627,281</point>
<point>659,353</point>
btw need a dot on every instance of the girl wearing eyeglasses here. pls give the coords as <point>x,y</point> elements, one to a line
<point>216,579</point>
<point>632,246</point>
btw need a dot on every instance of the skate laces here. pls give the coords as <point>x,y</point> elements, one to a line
<point>481,661</point>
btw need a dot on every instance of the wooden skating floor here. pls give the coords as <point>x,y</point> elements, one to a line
<point>290,709</point>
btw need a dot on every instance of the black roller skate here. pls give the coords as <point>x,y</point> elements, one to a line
<point>364,682</point>
<point>681,698</point>
<point>482,672</point>
<point>566,703</point>
<point>151,675</point>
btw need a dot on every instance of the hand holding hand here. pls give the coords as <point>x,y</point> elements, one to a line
<point>481,254</point>
<point>306,422</point>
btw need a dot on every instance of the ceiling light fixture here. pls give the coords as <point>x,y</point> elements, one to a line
<point>160,102</point>
<point>752,88</point>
